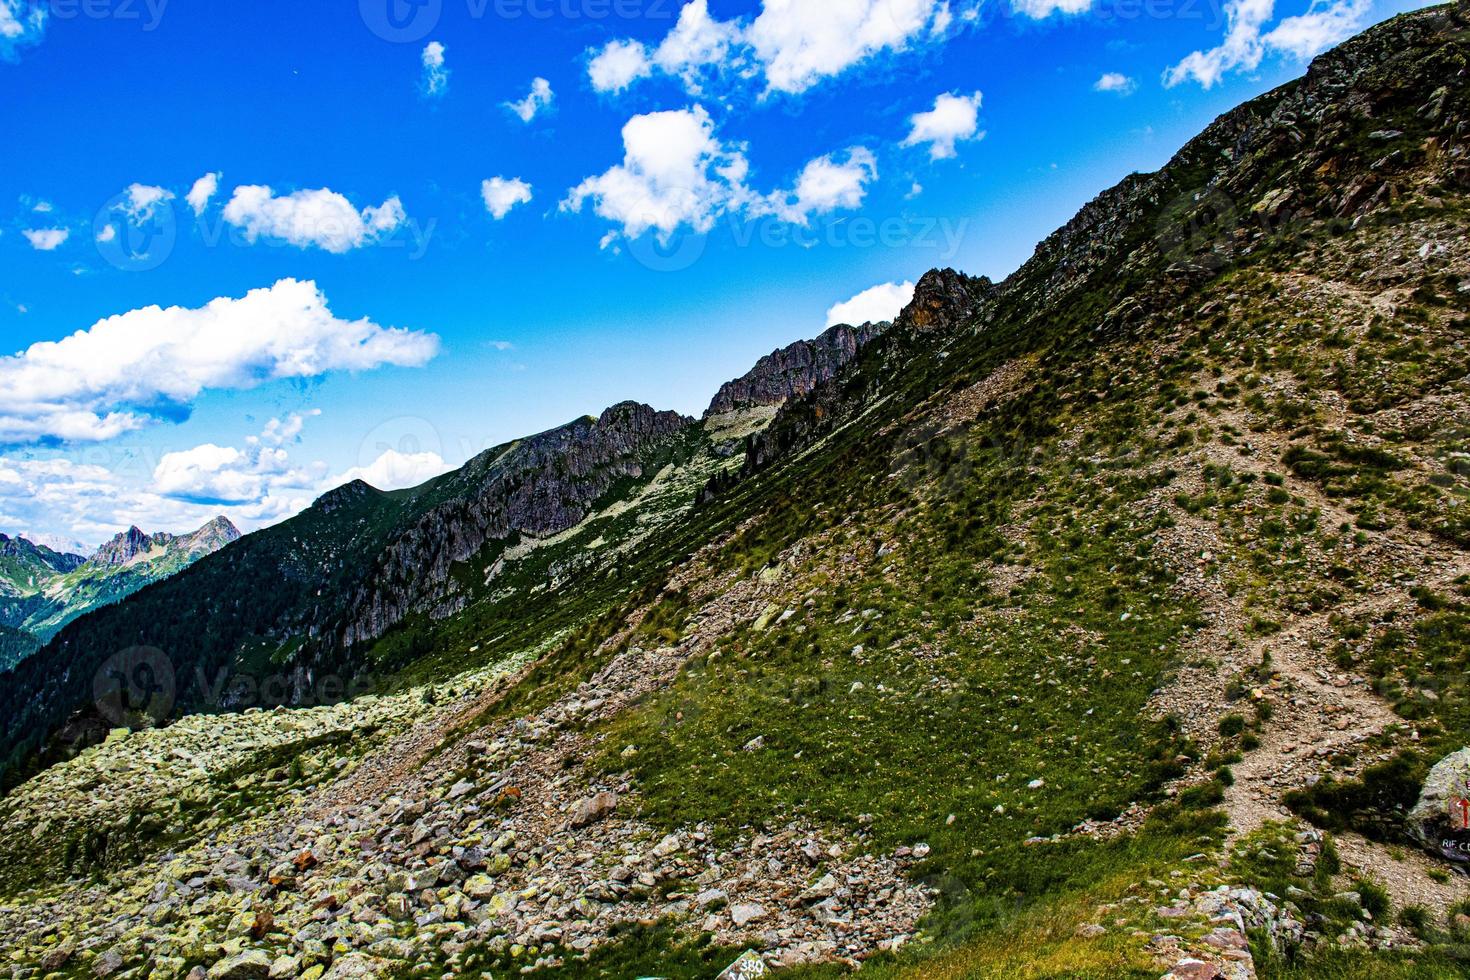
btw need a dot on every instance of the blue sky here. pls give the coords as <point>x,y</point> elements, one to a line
<point>705,182</point>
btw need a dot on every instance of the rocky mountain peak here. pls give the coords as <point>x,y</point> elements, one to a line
<point>214,535</point>
<point>795,369</point>
<point>344,496</point>
<point>123,547</point>
<point>944,298</point>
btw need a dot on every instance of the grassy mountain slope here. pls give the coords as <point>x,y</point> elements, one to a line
<point>1066,604</point>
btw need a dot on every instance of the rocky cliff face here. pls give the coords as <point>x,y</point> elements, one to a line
<point>943,299</point>
<point>536,487</point>
<point>127,546</point>
<point>795,369</point>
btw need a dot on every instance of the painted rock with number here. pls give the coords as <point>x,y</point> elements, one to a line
<point>747,967</point>
<point>1440,821</point>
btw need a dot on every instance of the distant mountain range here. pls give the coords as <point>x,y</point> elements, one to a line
<point>41,589</point>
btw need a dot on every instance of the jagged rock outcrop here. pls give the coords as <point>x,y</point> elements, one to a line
<point>127,545</point>
<point>132,544</point>
<point>943,299</point>
<point>795,369</point>
<point>537,486</point>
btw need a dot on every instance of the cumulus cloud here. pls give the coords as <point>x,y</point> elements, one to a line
<point>535,101</point>
<point>697,41</point>
<point>1323,25</point>
<point>1247,42</point>
<point>790,44</point>
<point>876,305</point>
<point>617,65</point>
<point>22,24</point>
<point>826,184</point>
<point>141,201</point>
<point>46,239</point>
<point>501,194</point>
<point>1115,82</point>
<point>209,474</point>
<point>203,192</point>
<point>953,119</point>
<point>394,470</point>
<point>675,171</point>
<point>130,370</point>
<point>107,234</point>
<point>435,80</point>
<point>322,218</point>
<point>800,43</point>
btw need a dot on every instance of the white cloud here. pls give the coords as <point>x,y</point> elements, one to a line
<point>321,217</point>
<point>697,41</point>
<point>206,473</point>
<point>943,20</point>
<point>436,76</point>
<point>46,239</point>
<point>800,43</point>
<point>394,470</point>
<point>791,44</point>
<point>278,432</point>
<point>1323,25</point>
<point>500,195</point>
<point>130,370</point>
<point>21,24</point>
<point>1117,82</point>
<point>953,119</point>
<point>825,184</point>
<point>107,234</point>
<point>43,207</point>
<point>674,172</point>
<point>617,65</point>
<point>875,305</point>
<point>1246,42</point>
<point>140,201</point>
<point>1042,9</point>
<point>203,191</point>
<point>536,100</point>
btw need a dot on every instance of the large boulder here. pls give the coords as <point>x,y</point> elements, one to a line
<point>594,808</point>
<point>1439,820</point>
